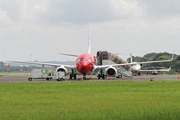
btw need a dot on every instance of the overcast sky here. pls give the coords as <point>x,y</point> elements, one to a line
<point>43,28</point>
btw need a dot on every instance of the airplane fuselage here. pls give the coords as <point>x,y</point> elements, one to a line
<point>136,67</point>
<point>85,63</point>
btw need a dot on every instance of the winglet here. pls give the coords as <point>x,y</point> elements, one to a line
<point>3,55</point>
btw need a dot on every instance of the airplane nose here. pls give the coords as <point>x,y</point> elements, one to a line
<point>83,66</point>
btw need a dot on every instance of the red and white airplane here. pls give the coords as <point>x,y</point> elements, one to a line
<point>85,63</point>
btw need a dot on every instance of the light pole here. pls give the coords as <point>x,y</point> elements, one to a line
<point>30,64</point>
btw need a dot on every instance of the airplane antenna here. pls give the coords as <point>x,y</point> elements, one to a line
<point>89,44</point>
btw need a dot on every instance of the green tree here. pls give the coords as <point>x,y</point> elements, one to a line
<point>149,55</point>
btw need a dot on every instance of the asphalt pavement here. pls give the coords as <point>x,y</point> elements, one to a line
<point>94,78</point>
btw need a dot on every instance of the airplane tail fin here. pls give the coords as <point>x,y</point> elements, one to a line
<point>89,44</point>
<point>131,61</point>
<point>4,55</point>
<point>169,68</point>
<point>131,57</point>
<point>173,54</point>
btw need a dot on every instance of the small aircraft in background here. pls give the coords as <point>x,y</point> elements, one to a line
<point>85,63</point>
<point>136,68</point>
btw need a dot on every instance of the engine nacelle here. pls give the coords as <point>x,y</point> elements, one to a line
<point>60,69</point>
<point>111,71</point>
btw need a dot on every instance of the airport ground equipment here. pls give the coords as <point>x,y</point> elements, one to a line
<point>107,58</point>
<point>60,76</point>
<point>41,74</point>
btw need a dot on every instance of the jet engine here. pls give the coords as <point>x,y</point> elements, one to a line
<point>60,69</point>
<point>111,71</point>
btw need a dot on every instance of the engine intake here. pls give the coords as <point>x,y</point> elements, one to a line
<point>60,69</point>
<point>111,71</point>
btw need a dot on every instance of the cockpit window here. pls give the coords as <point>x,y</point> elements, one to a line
<point>84,60</point>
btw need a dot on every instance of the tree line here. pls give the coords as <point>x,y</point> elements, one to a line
<point>4,68</point>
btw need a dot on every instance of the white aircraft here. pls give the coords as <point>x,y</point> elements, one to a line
<point>137,67</point>
<point>85,63</point>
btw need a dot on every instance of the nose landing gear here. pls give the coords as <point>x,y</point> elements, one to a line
<point>84,76</point>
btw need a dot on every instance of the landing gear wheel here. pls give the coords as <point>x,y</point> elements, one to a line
<point>75,76</point>
<point>119,76</point>
<point>99,76</point>
<point>103,76</point>
<point>48,79</point>
<point>70,76</point>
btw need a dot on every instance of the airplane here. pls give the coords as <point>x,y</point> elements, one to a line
<point>136,68</point>
<point>85,63</point>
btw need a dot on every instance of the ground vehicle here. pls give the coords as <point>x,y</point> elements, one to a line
<point>41,74</point>
<point>60,76</point>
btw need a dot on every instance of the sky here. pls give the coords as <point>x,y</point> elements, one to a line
<point>43,28</point>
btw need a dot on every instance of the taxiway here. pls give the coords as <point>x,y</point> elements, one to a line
<point>94,78</point>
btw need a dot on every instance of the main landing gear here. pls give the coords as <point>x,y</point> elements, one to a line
<point>119,76</point>
<point>101,75</point>
<point>72,75</point>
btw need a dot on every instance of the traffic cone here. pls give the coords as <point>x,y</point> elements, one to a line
<point>110,78</point>
<point>90,75</point>
<point>178,76</point>
<point>82,79</point>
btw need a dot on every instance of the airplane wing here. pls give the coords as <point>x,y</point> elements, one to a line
<point>38,63</point>
<point>49,64</point>
<point>166,70</point>
<point>157,70</point>
<point>119,65</point>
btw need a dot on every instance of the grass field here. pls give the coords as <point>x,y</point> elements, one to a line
<point>15,74</point>
<point>91,100</point>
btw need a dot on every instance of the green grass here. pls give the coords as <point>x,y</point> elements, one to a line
<point>15,74</point>
<point>91,100</point>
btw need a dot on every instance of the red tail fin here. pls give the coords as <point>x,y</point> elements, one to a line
<point>3,55</point>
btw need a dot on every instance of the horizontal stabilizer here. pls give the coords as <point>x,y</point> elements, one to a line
<point>68,54</point>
